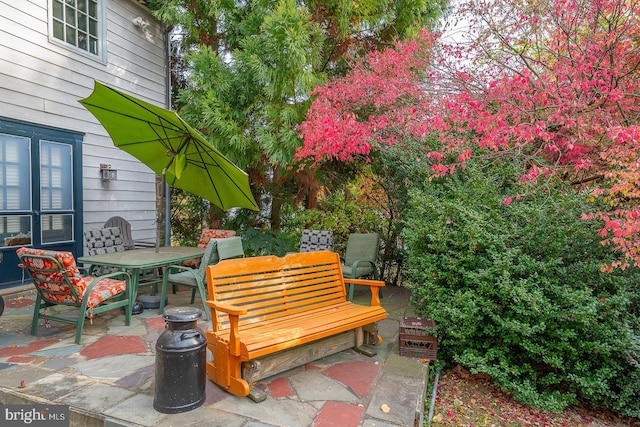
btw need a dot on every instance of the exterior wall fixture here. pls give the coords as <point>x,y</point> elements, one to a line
<point>108,174</point>
<point>140,22</point>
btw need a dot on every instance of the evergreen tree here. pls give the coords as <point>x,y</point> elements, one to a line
<point>248,68</point>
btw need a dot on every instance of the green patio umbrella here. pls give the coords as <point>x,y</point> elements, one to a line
<point>170,147</point>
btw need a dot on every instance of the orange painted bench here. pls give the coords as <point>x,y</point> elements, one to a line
<point>271,314</point>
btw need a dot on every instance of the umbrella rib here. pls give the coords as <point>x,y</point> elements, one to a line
<point>200,153</point>
<point>176,136</point>
<point>164,137</point>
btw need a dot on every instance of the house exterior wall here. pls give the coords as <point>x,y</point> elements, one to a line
<point>41,82</point>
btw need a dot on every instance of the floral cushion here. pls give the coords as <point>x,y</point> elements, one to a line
<point>103,290</point>
<point>210,233</point>
<point>53,281</point>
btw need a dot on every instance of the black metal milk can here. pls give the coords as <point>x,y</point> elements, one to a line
<point>180,362</point>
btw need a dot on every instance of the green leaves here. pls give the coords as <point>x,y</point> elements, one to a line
<point>517,291</point>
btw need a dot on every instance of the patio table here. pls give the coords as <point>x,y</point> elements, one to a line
<point>137,260</point>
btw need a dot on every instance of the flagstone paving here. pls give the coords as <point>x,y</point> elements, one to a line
<point>108,379</point>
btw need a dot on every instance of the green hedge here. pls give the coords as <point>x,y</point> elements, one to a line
<point>517,290</point>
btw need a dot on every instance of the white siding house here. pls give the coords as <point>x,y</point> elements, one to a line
<point>51,51</point>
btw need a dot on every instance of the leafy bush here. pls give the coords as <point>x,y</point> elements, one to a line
<point>269,242</point>
<point>351,210</point>
<point>518,293</point>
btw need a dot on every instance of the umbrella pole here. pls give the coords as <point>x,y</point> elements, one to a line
<point>160,210</point>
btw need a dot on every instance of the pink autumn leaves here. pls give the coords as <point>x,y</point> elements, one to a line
<point>559,95</point>
<point>380,102</point>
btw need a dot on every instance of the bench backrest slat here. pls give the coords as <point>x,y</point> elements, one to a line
<point>271,287</point>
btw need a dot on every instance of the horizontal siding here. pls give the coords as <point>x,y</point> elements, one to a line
<point>41,82</point>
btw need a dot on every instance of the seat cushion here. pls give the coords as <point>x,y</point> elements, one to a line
<point>363,269</point>
<point>316,240</point>
<point>210,233</point>
<point>103,290</point>
<point>183,278</point>
<point>104,241</point>
<point>51,281</point>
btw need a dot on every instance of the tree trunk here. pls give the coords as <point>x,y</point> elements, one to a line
<point>276,200</point>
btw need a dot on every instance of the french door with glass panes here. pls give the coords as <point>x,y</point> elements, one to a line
<point>40,192</point>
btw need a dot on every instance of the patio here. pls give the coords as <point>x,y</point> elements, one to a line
<point>108,379</point>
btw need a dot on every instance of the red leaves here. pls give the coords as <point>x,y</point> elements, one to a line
<point>380,102</point>
<point>561,88</point>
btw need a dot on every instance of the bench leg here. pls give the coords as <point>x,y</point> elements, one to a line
<point>249,371</point>
<point>257,395</point>
<point>361,333</point>
<point>371,334</point>
<point>225,370</point>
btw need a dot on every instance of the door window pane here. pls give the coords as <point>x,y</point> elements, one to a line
<point>56,191</point>
<point>15,230</point>
<point>15,173</point>
<point>57,228</point>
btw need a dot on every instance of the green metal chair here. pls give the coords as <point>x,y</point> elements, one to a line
<point>58,281</point>
<point>360,257</point>
<point>216,250</point>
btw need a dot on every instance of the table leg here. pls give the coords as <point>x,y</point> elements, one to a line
<point>135,278</point>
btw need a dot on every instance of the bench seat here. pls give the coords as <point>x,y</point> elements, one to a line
<point>264,307</point>
<point>260,340</point>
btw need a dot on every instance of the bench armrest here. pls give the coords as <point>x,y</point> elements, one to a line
<point>231,310</point>
<point>234,313</point>
<point>374,285</point>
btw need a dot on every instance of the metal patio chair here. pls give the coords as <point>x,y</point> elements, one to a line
<point>217,250</point>
<point>360,257</point>
<point>316,240</point>
<point>206,235</point>
<point>58,281</point>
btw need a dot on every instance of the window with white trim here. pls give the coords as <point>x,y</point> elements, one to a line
<point>78,23</point>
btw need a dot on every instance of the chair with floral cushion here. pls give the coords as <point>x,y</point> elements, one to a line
<point>205,237</point>
<point>58,281</point>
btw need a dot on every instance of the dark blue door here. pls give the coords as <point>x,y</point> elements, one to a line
<point>40,192</point>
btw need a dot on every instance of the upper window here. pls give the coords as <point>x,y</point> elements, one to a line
<point>78,23</point>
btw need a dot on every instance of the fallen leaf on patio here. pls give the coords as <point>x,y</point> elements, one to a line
<point>385,408</point>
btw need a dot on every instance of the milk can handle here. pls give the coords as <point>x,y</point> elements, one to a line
<point>190,334</point>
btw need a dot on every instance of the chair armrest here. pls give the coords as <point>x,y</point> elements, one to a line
<point>365,282</point>
<point>175,267</point>
<point>374,285</point>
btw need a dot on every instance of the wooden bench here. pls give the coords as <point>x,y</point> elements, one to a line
<point>271,314</point>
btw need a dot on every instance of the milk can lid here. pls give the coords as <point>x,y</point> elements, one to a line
<point>182,314</point>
